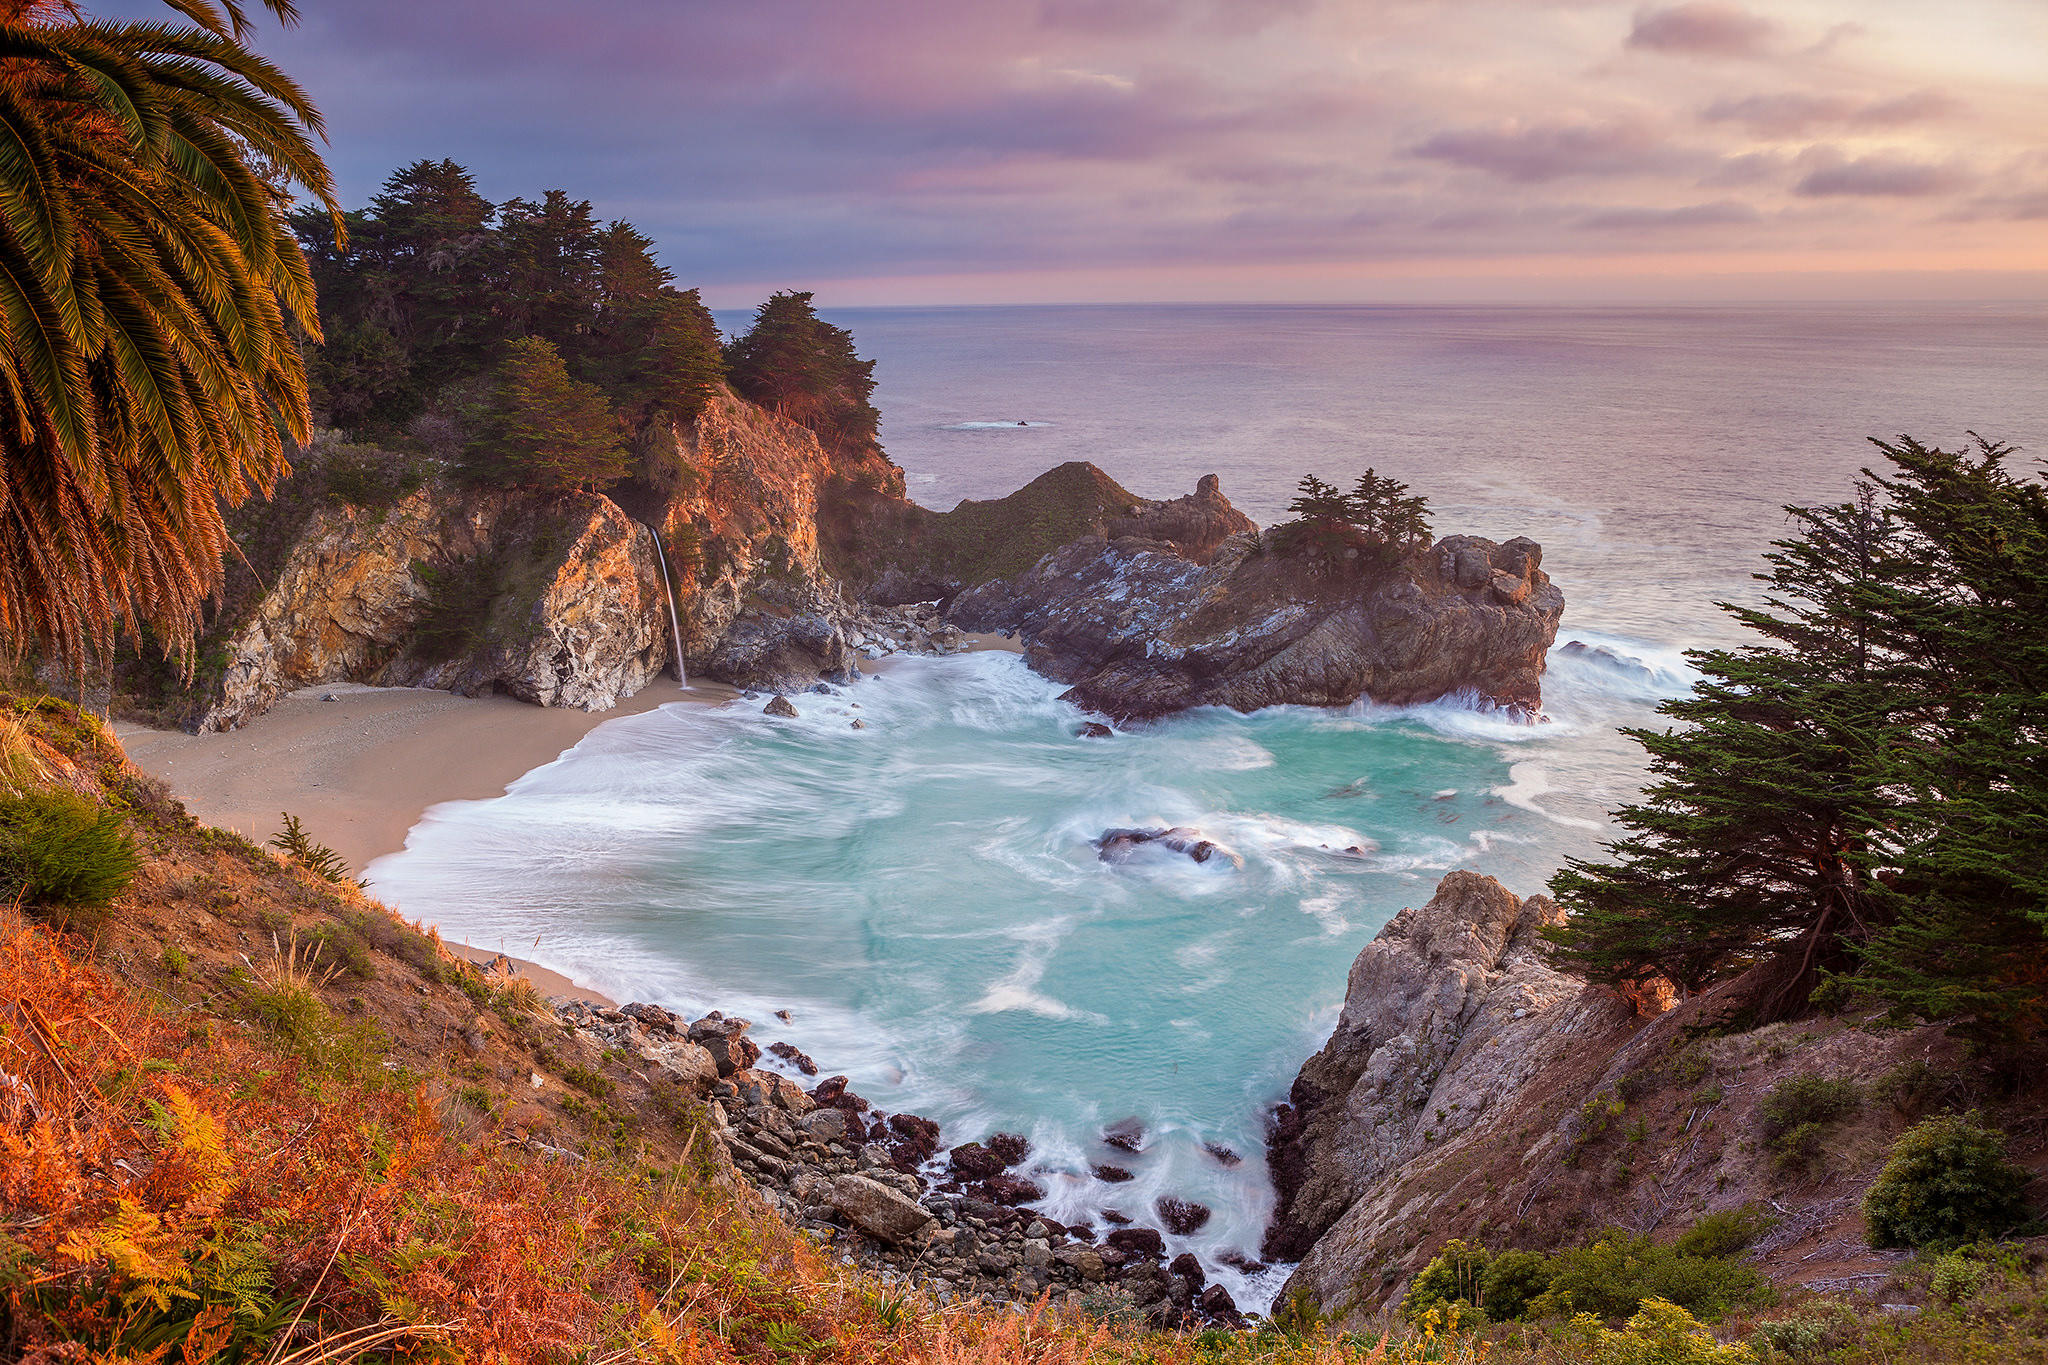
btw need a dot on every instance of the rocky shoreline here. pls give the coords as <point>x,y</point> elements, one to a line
<point>880,1189</point>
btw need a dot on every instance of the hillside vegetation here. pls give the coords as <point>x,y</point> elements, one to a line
<point>246,1113</point>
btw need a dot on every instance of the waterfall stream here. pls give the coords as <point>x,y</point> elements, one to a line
<point>675,622</point>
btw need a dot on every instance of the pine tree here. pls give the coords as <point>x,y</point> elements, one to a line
<point>545,429</point>
<point>1393,520</point>
<point>1865,792</point>
<point>803,367</point>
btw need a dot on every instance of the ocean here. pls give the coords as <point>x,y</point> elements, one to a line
<point>923,895</point>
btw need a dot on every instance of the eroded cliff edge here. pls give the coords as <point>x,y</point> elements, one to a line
<point>1471,1089</point>
<point>786,560</point>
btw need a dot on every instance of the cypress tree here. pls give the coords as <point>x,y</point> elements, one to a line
<point>545,429</point>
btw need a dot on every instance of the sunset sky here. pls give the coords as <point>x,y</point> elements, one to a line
<point>909,151</point>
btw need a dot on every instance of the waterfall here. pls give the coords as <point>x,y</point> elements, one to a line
<point>675,622</point>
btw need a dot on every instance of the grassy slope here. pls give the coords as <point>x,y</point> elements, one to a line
<point>246,1113</point>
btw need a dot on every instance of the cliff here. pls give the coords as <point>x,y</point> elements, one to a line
<point>1472,1090</point>
<point>1144,625</point>
<point>556,601</point>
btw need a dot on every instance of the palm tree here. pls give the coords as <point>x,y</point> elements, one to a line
<point>150,291</point>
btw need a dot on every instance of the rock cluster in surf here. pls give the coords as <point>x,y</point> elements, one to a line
<point>878,1187</point>
<point>1144,625</point>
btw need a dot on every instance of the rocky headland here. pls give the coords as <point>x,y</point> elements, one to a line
<point>1472,1090</point>
<point>788,562</point>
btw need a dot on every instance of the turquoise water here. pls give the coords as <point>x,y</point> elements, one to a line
<point>923,895</point>
<point>925,898</point>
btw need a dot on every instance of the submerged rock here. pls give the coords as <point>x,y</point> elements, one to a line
<point>1181,1216</point>
<point>1117,845</point>
<point>1126,1135</point>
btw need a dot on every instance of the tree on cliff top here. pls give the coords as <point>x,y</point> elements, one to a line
<point>803,367</point>
<point>1378,521</point>
<point>1863,793</point>
<point>545,429</point>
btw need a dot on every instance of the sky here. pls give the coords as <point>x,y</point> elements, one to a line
<point>957,151</point>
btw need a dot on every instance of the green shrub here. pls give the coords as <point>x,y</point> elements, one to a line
<point>1513,1281</point>
<point>64,851</point>
<point>1612,1277</point>
<point>318,859</point>
<point>341,945</point>
<point>1798,1112</point>
<point>369,477</point>
<point>1659,1333</point>
<point>1948,1180</point>
<point>1457,1275</point>
<point>1725,1233</point>
<point>1912,1087</point>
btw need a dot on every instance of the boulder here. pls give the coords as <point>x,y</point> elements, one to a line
<point>1137,1242</point>
<point>879,1211</point>
<point>972,1161</point>
<point>788,1053</point>
<point>1010,1148</point>
<point>1111,1175</point>
<point>779,705</point>
<point>1013,1189</point>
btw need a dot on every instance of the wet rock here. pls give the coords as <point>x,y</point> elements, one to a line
<point>1137,1241</point>
<point>1181,1216</point>
<point>1013,1189</point>
<point>1095,729</point>
<point>731,1053</point>
<point>972,1161</point>
<point>832,1091</point>
<point>1224,1156</point>
<point>1011,1148</point>
<point>779,705</point>
<point>1116,1218</point>
<point>1217,1303</point>
<point>1126,1135</point>
<point>1187,1266</point>
<point>789,1054</point>
<point>915,1139</point>
<point>1238,1261</point>
<point>1117,845</point>
<point>879,1211</point>
<point>1112,1175</point>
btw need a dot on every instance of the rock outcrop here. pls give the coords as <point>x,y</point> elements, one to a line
<point>557,601</point>
<point>1472,1090</point>
<point>1158,615</point>
<point>1448,1009</point>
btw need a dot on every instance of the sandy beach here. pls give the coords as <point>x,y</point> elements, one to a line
<point>361,769</point>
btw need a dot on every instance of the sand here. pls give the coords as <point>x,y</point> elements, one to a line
<point>362,769</point>
<point>360,765</point>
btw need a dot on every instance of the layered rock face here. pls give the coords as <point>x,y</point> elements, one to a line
<point>759,606</point>
<point>1448,1015</point>
<point>1182,605</point>
<point>556,601</point>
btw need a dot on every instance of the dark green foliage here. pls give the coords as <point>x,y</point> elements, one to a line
<point>1456,1275</point>
<point>338,942</point>
<point>1798,1112</point>
<point>543,429</point>
<point>1611,1278</point>
<point>1377,522</point>
<point>318,859</point>
<point>1727,1233</point>
<point>1859,792</point>
<point>1911,1088</point>
<point>803,367</point>
<point>1513,1281</point>
<point>1948,1180</point>
<point>369,477</point>
<point>64,852</point>
<point>459,598</point>
<point>436,280</point>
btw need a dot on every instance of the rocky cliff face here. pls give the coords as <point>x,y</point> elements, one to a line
<point>556,601</point>
<point>1470,1089</point>
<point>1182,605</point>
